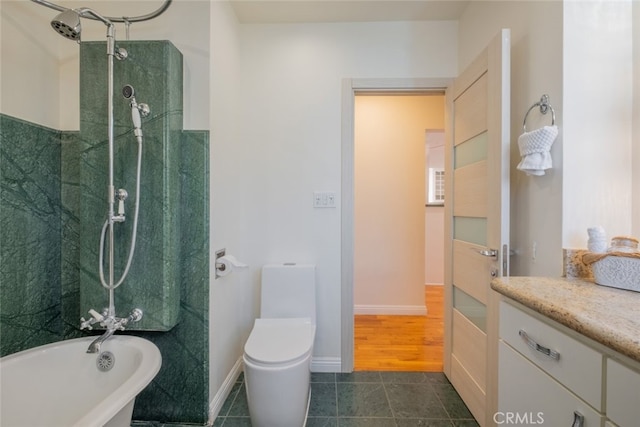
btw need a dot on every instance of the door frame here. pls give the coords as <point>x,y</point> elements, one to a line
<point>349,89</point>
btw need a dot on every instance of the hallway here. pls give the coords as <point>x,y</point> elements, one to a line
<point>402,343</point>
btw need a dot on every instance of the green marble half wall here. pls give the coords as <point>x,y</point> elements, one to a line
<point>154,69</point>
<point>30,213</point>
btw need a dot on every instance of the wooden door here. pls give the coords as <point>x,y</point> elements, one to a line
<point>477,224</point>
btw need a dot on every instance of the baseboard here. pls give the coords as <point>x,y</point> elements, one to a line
<point>223,392</point>
<point>434,284</point>
<point>400,310</point>
<point>326,364</point>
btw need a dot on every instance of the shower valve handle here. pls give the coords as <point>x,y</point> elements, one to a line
<point>95,318</point>
<point>86,324</point>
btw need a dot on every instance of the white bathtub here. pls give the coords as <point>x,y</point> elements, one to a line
<point>59,384</point>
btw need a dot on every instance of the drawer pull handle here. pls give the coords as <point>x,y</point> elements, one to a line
<point>537,347</point>
<point>578,419</point>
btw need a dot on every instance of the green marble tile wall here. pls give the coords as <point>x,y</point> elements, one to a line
<point>41,240</point>
<point>180,391</point>
<point>70,233</point>
<point>154,69</point>
<point>30,270</point>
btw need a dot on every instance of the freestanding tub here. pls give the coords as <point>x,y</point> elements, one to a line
<point>60,385</point>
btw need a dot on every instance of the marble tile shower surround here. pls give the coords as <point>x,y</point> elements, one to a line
<point>40,244</point>
<point>154,69</point>
<point>30,227</point>
<point>180,392</point>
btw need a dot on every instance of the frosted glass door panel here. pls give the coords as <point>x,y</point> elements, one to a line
<point>471,151</point>
<point>471,308</point>
<point>472,230</point>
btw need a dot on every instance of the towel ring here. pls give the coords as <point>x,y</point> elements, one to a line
<point>544,108</point>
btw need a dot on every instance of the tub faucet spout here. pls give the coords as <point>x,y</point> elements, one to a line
<point>111,323</point>
<point>94,347</point>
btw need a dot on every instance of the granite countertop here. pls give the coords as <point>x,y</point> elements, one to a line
<point>606,315</point>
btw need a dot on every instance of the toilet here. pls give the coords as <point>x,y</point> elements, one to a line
<point>277,354</point>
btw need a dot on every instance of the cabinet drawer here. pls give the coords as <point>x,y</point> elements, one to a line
<point>531,397</point>
<point>577,367</point>
<point>623,394</point>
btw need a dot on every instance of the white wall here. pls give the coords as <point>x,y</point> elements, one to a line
<point>598,98</point>
<point>536,69</point>
<point>389,218</point>
<point>29,72</point>
<point>233,299</point>
<point>291,97</point>
<point>434,215</point>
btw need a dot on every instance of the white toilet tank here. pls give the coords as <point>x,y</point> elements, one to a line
<point>288,291</point>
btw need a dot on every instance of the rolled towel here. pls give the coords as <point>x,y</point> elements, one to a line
<point>535,149</point>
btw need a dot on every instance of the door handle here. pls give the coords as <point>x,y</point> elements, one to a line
<point>491,253</point>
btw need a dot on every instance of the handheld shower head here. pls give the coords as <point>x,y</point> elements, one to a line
<point>127,91</point>
<point>137,110</point>
<point>68,24</point>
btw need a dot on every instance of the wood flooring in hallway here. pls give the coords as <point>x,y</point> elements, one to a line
<point>402,343</point>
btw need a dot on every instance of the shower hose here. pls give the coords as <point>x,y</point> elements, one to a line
<point>134,231</point>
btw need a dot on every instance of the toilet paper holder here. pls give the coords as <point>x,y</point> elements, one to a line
<point>225,264</point>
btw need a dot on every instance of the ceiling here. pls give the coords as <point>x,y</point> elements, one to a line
<point>301,11</point>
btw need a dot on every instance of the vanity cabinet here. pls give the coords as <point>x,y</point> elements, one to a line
<point>546,375</point>
<point>623,394</point>
<point>529,396</point>
<point>552,376</point>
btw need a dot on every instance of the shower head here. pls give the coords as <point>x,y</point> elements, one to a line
<point>68,24</point>
<point>127,91</point>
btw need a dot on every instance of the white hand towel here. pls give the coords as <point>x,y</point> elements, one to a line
<point>534,149</point>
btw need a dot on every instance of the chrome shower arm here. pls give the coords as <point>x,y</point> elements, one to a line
<point>92,14</point>
<point>165,5</point>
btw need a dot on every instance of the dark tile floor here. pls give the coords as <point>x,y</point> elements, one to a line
<point>368,399</point>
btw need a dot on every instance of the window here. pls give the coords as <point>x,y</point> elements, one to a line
<point>436,186</point>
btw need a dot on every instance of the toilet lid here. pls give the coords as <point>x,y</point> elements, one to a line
<point>277,341</point>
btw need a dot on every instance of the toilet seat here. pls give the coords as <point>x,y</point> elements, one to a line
<point>276,342</point>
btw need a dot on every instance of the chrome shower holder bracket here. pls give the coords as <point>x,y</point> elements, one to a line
<point>121,53</point>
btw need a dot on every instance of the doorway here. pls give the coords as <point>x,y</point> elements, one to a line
<point>398,140</point>
<point>349,89</point>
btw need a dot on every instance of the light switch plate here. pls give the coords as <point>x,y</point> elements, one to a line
<point>324,199</point>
